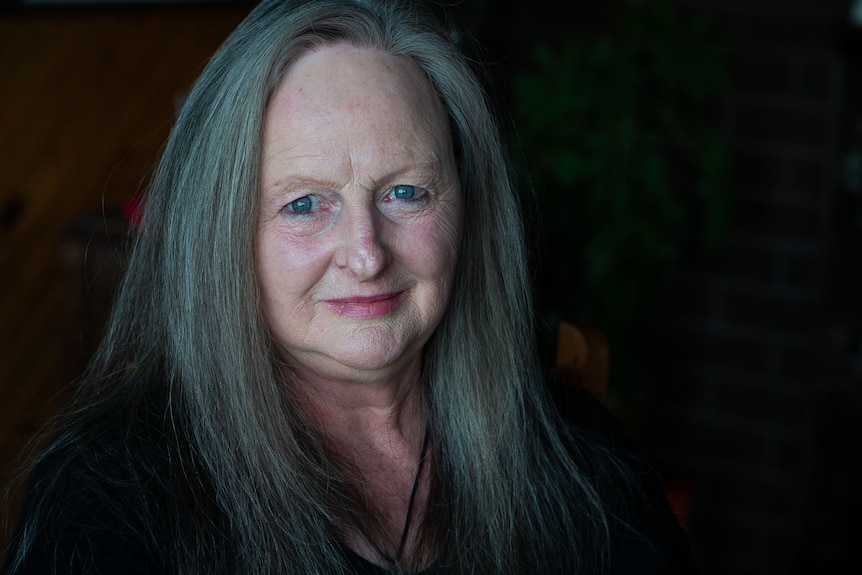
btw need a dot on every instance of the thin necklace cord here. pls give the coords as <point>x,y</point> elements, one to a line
<point>407,519</point>
<point>396,561</point>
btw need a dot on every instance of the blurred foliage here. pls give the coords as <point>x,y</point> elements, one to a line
<point>627,166</point>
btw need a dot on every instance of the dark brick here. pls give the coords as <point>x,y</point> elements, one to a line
<point>693,299</point>
<point>771,218</point>
<point>781,553</point>
<point>765,73</point>
<point>659,435</point>
<point>717,375</point>
<point>729,444</point>
<point>716,349</point>
<point>752,262</point>
<point>745,541</point>
<point>814,79</point>
<point>838,417</point>
<point>797,364</point>
<point>790,321</point>
<point>773,498</point>
<point>762,123</point>
<point>767,406</point>
<point>795,30</point>
<point>758,171</point>
<point>808,176</point>
<point>778,311</point>
<point>803,271</point>
<point>725,21</point>
<point>792,456</point>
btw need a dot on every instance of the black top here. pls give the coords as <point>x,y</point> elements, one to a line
<point>84,535</point>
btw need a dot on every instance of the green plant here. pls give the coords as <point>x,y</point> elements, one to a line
<point>627,165</point>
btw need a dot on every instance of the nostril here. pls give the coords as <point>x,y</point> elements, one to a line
<point>365,255</point>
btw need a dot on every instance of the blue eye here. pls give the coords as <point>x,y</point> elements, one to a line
<point>402,193</point>
<point>304,205</point>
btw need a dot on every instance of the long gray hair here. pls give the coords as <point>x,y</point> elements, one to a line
<point>249,488</point>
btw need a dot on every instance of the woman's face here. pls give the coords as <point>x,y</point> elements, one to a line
<point>360,213</point>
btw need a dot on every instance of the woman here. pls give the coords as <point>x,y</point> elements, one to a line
<point>321,358</point>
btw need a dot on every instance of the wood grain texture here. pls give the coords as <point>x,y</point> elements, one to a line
<point>87,98</point>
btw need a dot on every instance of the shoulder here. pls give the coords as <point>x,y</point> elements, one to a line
<point>86,510</point>
<point>647,537</point>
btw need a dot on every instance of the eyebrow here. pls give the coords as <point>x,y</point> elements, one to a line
<point>431,174</point>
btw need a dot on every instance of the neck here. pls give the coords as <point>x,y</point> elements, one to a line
<point>381,414</point>
<point>378,428</point>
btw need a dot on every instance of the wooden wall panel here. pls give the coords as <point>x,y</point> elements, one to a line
<point>86,101</point>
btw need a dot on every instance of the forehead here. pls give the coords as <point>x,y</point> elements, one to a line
<point>358,65</point>
<point>343,90</point>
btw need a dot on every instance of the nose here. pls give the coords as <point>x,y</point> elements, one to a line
<point>362,252</point>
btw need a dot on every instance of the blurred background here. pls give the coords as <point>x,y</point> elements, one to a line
<point>692,176</point>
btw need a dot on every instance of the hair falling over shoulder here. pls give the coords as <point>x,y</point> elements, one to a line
<point>187,403</point>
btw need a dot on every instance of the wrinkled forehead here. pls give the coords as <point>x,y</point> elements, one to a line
<point>344,114</point>
<point>346,78</point>
<point>371,91</point>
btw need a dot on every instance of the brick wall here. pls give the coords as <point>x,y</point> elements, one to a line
<point>745,427</point>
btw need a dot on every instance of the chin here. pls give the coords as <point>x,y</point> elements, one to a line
<point>369,360</point>
<point>372,353</point>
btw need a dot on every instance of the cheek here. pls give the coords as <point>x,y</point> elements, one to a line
<point>289,266</point>
<point>432,248</point>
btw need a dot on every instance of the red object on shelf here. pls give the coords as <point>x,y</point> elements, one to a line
<point>679,494</point>
<point>133,211</point>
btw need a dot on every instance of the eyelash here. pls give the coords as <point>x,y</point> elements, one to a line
<point>309,204</point>
<point>311,199</point>
<point>415,193</point>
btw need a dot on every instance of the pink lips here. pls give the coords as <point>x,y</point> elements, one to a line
<point>366,306</point>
